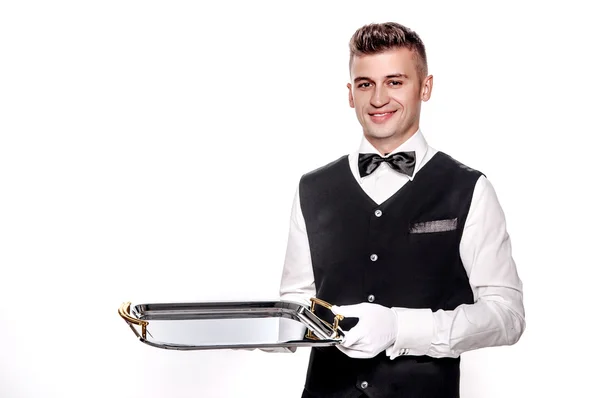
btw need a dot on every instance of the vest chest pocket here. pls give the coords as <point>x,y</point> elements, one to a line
<point>433,241</point>
<point>428,227</point>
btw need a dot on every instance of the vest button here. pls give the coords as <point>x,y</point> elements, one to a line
<point>374,257</point>
<point>371,298</point>
<point>378,213</point>
<point>364,385</point>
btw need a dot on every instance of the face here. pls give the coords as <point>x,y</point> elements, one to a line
<point>386,92</point>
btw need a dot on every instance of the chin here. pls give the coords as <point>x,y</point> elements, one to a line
<point>380,134</point>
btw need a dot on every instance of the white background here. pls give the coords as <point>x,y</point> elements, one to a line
<point>134,135</point>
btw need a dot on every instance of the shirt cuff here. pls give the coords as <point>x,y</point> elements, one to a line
<point>415,332</point>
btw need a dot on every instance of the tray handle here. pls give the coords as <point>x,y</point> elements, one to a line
<point>124,312</point>
<point>336,320</point>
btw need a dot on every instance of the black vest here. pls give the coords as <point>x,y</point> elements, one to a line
<point>412,268</point>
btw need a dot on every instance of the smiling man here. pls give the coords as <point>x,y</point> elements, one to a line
<point>386,92</point>
<point>403,239</point>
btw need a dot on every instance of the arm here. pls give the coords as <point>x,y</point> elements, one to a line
<point>497,317</point>
<point>297,280</point>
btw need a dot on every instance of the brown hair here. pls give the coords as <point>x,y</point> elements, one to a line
<point>379,37</point>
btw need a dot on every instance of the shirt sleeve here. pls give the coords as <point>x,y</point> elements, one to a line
<point>297,279</point>
<point>497,317</point>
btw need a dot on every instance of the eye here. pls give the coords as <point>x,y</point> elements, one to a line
<point>395,83</point>
<point>364,85</point>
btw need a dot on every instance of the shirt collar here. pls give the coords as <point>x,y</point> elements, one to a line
<point>415,143</point>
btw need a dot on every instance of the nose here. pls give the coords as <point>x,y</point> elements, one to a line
<point>379,97</point>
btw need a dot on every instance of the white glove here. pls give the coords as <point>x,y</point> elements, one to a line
<point>375,331</point>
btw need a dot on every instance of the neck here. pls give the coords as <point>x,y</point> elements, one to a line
<point>388,144</point>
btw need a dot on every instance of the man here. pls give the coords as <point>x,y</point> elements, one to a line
<point>401,236</point>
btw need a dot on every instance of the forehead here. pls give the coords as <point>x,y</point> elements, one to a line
<point>390,62</point>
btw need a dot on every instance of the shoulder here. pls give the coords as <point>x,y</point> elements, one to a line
<point>450,164</point>
<point>326,170</point>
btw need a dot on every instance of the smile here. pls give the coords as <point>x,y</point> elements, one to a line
<point>381,117</point>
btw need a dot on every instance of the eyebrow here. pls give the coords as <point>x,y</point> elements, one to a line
<point>401,75</point>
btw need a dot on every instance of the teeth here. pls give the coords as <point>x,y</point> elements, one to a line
<point>381,114</point>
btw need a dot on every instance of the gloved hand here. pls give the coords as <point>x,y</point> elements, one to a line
<point>375,331</point>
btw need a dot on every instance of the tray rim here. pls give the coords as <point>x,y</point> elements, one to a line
<point>325,334</point>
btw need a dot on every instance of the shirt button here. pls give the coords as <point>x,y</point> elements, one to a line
<point>378,213</point>
<point>364,384</point>
<point>374,257</point>
<point>371,298</point>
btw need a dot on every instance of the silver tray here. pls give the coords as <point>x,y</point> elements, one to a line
<point>231,324</point>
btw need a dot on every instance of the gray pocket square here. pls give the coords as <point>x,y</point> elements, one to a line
<point>434,226</point>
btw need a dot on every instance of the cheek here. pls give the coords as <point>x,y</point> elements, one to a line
<point>408,97</point>
<point>359,100</point>
<point>360,106</point>
<point>407,100</point>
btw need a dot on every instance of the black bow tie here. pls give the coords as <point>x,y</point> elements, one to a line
<point>402,162</point>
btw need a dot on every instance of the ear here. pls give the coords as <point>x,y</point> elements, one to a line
<point>350,97</point>
<point>426,88</point>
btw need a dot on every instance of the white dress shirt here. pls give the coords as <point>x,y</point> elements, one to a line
<point>496,318</point>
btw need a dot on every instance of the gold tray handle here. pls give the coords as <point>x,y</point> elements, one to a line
<point>336,320</point>
<point>124,312</point>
